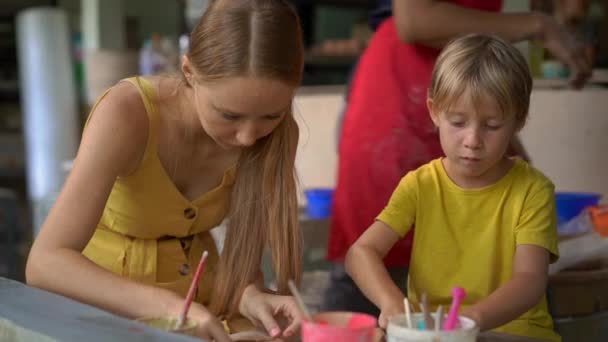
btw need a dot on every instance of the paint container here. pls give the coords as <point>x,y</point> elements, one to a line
<point>318,202</point>
<point>170,324</point>
<point>398,331</point>
<point>339,326</point>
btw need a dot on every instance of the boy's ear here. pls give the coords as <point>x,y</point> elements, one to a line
<point>519,126</point>
<point>429,106</point>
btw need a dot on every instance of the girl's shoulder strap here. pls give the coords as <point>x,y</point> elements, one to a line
<point>149,98</point>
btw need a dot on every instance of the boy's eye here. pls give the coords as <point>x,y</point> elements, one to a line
<point>457,123</point>
<point>493,126</point>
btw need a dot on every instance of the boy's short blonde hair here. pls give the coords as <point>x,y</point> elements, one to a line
<point>485,65</point>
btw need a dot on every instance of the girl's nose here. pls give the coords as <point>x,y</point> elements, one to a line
<point>246,135</point>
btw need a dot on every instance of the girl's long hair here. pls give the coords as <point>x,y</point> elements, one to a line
<point>255,38</point>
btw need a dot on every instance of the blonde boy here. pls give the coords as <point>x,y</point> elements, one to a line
<point>482,221</point>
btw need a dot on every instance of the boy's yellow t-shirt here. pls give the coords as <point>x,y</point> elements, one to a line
<point>468,237</point>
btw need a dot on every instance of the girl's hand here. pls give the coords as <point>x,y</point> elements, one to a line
<point>209,327</point>
<point>264,309</point>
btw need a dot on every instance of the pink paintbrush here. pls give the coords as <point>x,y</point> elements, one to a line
<point>192,290</point>
<point>458,294</point>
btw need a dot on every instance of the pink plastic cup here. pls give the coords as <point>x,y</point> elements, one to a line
<point>339,326</point>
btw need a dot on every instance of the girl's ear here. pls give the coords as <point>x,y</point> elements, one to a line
<point>187,70</point>
<point>434,116</point>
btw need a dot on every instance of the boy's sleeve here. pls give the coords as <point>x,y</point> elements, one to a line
<point>538,221</point>
<point>400,212</point>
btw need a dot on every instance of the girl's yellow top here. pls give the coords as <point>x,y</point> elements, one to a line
<point>149,232</point>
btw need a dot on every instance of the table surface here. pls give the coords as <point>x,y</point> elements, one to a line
<point>64,319</point>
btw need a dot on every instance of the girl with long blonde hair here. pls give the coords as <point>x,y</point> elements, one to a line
<point>163,160</point>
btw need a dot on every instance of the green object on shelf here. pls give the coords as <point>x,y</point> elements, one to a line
<point>336,23</point>
<point>554,70</point>
<point>537,54</point>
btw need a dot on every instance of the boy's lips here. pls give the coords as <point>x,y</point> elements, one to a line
<point>470,159</point>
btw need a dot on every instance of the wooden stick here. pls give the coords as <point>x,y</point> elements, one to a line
<point>408,315</point>
<point>299,301</point>
<point>428,319</point>
<point>438,318</point>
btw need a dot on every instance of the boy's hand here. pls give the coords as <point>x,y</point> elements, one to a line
<point>389,311</point>
<point>473,314</point>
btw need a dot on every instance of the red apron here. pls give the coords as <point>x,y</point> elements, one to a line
<point>386,133</point>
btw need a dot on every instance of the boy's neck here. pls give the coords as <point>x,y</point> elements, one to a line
<point>488,178</point>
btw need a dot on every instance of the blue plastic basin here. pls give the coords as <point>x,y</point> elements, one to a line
<point>570,204</point>
<point>318,202</point>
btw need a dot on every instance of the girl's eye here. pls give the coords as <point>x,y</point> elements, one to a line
<point>230,117</point>
<point>272,117</point>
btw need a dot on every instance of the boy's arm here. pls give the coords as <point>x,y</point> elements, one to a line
<point>525,289</point>
<point>364,264</point>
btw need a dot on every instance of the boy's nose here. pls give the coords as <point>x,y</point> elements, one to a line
<point>473,139</point>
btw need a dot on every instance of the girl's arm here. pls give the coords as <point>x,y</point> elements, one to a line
<point>417,23</point>
<point>112,146</point>
<point>525,290</point>
<point>113,140</point>
<point>364,264</point>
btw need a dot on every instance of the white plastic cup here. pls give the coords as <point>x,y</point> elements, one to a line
<point>398,331</point>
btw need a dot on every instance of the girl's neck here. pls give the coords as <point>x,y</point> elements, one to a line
<point>181,113</point>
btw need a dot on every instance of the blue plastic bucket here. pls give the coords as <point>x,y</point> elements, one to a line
<point>318,202</point>
<point>570,204</point>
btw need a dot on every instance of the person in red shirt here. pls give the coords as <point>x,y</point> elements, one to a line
<point>387,130</point>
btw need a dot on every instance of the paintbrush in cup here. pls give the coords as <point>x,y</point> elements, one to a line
<point>408,314</point>
<point>458,294</point>
<point>192,290</point>
<point>428,319</point>
<point>299,301</point>
<point>438,318</point>
<point>429,324</point>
